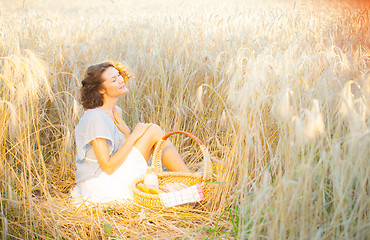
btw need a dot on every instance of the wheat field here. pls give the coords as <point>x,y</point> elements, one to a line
<point>277,90</point>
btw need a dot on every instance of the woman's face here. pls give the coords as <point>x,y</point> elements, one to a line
<point>113,83</point>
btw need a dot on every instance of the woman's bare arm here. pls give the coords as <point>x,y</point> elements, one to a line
<point>110,164</point>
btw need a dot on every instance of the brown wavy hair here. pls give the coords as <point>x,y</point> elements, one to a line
<point>92,83</point>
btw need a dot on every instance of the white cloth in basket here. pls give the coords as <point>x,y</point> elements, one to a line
<point>186,195</point>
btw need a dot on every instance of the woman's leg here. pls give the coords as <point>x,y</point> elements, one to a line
<point>170,157</point>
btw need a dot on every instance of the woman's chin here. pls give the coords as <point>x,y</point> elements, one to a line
<point>124,91</point>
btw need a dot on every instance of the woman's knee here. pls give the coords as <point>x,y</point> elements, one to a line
<point>156,132</point>
<point>150,138</point>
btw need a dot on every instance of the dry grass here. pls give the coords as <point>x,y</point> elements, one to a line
<point>279,92</point>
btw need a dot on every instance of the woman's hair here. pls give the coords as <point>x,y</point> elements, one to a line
<point>92,83</point>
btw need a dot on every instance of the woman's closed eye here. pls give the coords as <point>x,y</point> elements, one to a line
<point>116,77</point>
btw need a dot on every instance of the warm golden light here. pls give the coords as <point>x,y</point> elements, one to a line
<point>278,91</point>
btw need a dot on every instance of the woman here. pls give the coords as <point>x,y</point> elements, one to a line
<point>109,155</point>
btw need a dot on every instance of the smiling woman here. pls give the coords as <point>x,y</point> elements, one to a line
<point>109,156</point>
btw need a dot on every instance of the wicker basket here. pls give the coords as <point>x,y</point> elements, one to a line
<point>153,200</point>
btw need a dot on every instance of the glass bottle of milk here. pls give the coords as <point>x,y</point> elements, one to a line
<point>151,178</point>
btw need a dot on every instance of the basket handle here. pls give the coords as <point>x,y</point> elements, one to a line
<point>157,155</point>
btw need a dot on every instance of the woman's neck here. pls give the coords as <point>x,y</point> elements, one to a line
<point>109,104</point>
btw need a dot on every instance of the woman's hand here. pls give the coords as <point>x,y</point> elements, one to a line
<point>120,123</point>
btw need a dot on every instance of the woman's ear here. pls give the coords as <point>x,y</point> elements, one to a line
<point>102,91</point>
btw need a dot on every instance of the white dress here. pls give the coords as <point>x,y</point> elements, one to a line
<point>92,184</point>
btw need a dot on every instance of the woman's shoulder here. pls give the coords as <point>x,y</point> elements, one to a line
<point>92,112</point>
<point>91,117</point>
<point>97,112</point>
